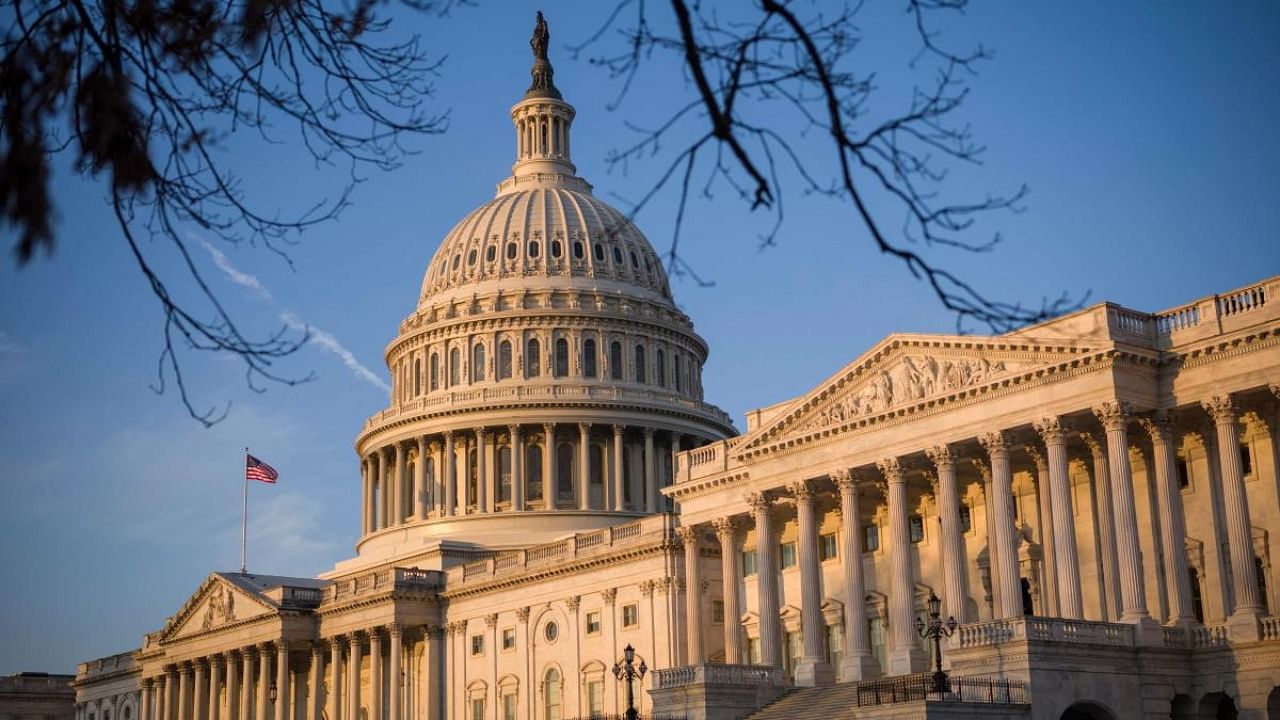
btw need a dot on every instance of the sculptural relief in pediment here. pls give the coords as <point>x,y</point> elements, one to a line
<point>908,379</point>
<point>218,604</point>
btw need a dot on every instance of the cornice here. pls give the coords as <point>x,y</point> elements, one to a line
<point>481,587</point>
<point>1211,351</point>
<point>697,487</point>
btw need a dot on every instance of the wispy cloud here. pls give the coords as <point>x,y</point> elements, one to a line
<point>234,274</point>
<point>325,341</point>
<point>9,346</point>
<point>321,339</point>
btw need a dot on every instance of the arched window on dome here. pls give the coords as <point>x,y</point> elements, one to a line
<point>595,456</point>
<point>617,255</point>
<point>472,499</point>
<point>640,363</point>
<point>435,372</point>
<point>635,262</point>
<point>532,358</point>
<point>615,360</point>
<point>599,251</point>
<point>417,377</point>
<point>533,472</point>
<point>551,695</point>
<point>429,481</point>
<point>455,367</point>
<point>471,257</point>
<point>533,248</point>
<point>542,148</point>
<point>678,361</point>
<point>588,358</point>
<point>578,250</point>
<point>564,472</point>
<point>477,363</point>
<point>556,249</point>
<point>491,253</point>
<point>504,473</point>
<point>562,358</point>
<point>660,368</point>
<point>511,251</point>
<point>504,360</point>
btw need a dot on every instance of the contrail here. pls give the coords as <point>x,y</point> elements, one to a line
<point>328,342</point>
<point>242,279</point>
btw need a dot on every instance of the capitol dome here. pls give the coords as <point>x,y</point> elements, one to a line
<point>545,379</point>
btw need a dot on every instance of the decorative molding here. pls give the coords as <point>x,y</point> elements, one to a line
<point>688,535</point>
<point>759,501</point>
<point>1114,415</point>
<point>941,456</point>
<point>844,480</point>
<point>1051,429</point>
<point>891,469</point>
<point>995,443</point>
<point>801,490</point>
<point>522,614</point>
<point>572,602</point>
<point>726,528</point>
<point>609,595</point>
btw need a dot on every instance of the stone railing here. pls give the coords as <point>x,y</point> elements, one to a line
<point>517,393</point>
<point>1270,628</point>
<point>381,581</point>
<point>1202,318</point>
<point>719,674</point>
<point>1209,636</point>
<point>1038,629</point>
<point>120,662</point>
<point>705,461</point>
<point>583,543</point>
<point>38,682</point>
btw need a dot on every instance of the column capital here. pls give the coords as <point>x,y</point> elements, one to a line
<point>995,443</point>
<point>609,595</point>
<point>648,431</point>
<point>688,535</point>
<point>1037,457</point>
<point>491,620</point>
<point>1275,389</point>
<point>216,659</point>
<point>147,683</point>
<point>480,433</point>
<point>447,434</point>
<point>394,629</point>
<point>1095,446</point>
<point>522,614</point>
<point>646,588</point>
<point>726,528</point>
<point>584,428</point>
<point>1159,425</point>
<point>801,490</point>
<point>891,469</point>
<point>940,455</point>
<point>618,430</point>
<point>1221,408</point>
<point>549,429</point>
<point>843,478</point>
<point>572,602</point>
<point>1051,429</point>
<point>1113,415</point>
<point>759,502</point>
<point>513,429</point>
<point>984,470</point>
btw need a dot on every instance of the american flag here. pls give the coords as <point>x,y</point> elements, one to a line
<point>255,469</point>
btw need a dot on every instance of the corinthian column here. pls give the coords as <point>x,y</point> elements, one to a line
<point>284,704</point>
<point>584,466</point>
<point>315,677</point>
<point>905,656</point>
<point>484,479</point>
<point>375,674</point>
<point>1070,603</point>
<point>201,700</point>
<point>184,693</point>
<point>1172,523</point>
<point>618,480</point>
<point>264,682</point>
<point>246,683</point>
<point>549,480</point>
<point>1244,577</point>
<point>954,557</point>
<point>420,483</point>
<point>1114,417</point>
<point>650,473</point>
<point>332,706</point>
<point>397,491</point>
<point>144,712</point>
<point>450,477</point>
<point>396,688</point>
<point>353,677</point>
<point>693,596</point>
<point>766,581</point>
<point>730,573</point>
<point>366,498</point>
<point>1044,508</point>
<point>517,468</point>
<point>1006,545</point>
<point>1109,569</point>
<point>858,663</point>
<point>215,689</point>
<point>813,668</point>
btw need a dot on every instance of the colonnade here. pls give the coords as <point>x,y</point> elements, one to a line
<point>291,680</point>
<point>515,469</point>
<point>1124,598</point>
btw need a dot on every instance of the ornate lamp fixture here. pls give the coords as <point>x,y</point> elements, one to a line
<point>935,630</point>
<point>628,672</point>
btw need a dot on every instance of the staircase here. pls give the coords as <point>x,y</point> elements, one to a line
<point>831,702</point>
<point>907,693</point>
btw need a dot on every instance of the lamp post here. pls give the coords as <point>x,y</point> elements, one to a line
<point>627,671</point>
<point>271,692</point>
<point>935,630</point>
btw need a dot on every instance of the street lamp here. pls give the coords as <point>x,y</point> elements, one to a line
<point>935,630</point>
<point>271,693</point>
<point>626,671</point>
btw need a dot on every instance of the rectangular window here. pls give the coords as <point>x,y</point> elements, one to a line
<point>788,555</point>
<point>717,611</point>
<point>827,546</point>
<point>966,518</point>
<point>871,538</point>
<point>477,644</point>
<point>630,615</point>
<point>748,563</point>
<point>1184,473</point>
<point>477,708</point>
<point>593,622</point>
<point>508,638</point>
<point>915,527</point>
<point>595,698</point>
<point>1246,460</point>
<point>509,706</point>
<point>835,646</point>
<point>795,651</point>
<point>753,651</point>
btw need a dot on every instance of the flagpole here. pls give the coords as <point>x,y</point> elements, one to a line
<point>244,511</point>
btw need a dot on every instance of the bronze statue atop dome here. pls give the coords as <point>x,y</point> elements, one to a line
<point>541,37</point>
<point>543,85</point>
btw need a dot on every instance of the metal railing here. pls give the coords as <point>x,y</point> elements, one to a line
<point>912,688</point>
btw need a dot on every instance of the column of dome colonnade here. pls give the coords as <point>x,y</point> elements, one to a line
<point>1088,448</point>
<point>430,477</point>
<point>258,679</point>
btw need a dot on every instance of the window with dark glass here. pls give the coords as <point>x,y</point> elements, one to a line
<point>966,518</point>
<point>640,363</point>
<point>533,358</point>
<point>491,253</point>
<point>593,622</point>
<point>1183,472</point>
<point>827,546</point>
<point>578,250</point>
<point>504,474</point>
<point>660,368</point>
<point>635,263</point>
<point>564,471</point>
<point>748,563</point>
<point>589,358</point>
<point>615,360</point>
<point>533,248</point>
<point>511,251</point>
<point>504,360</point>
<point>477,363</point>
<point>417,377</point>
<point>599,251</point>
<point>1246,460</point>
<point>556,249</point>
<point>1197,600</point>
<point>717,611</point>
<point>562,358</point>
<point>477,644</point>
<point>596,456</point>
<point>915,528</point>
<point>508,638</point>
<point>871,538</point>
<point>435,371</point>
<point>533,472</point>
<point>455,366</point>
<point>471,257</point>
<point>617,255</point>
<point>787,555</point>
<point>630,615</point>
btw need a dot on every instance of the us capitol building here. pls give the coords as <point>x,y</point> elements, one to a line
<point>1094,499</point>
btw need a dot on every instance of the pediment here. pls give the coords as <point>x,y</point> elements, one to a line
<point>904,370</point>
<point>216,603</point>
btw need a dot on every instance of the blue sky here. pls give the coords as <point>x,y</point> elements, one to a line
<point>1147,134</point>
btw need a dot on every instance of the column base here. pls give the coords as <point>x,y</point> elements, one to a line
<point>1243,626</point>
<point>812,672</point>
<point>1146,631</point>
<point>907,661</point>
<point>859,667</point>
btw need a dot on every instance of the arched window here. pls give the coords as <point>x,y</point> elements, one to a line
<point>471,257</point>
<point>589,358</point>
<point>504,473</point>
<point>473,480</point>
<point>491,253</point>
<point>660,368</point>
<point>640,363</point>
<point>429,480</point>
<point>577,249</point>
<point>678,361</point>
<point>562,358</point>
<point>533,358</point>
<point>417,377</point>
<point>551,695</point>
<point>435,371</point>
<point>455,367</point>
<point>597,466</point>
<point>556,249</point>
<point>533,248</point>
<point>615,360</point>
<point>504,360</point>
<point>477,363</point>
<point>511,251</point>
<point>533,472</point>
<point>599,250</point>
<point>617,255</point>
<point>564,472</point>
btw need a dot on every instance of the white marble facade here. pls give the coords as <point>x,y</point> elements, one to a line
<point>548,485</point>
